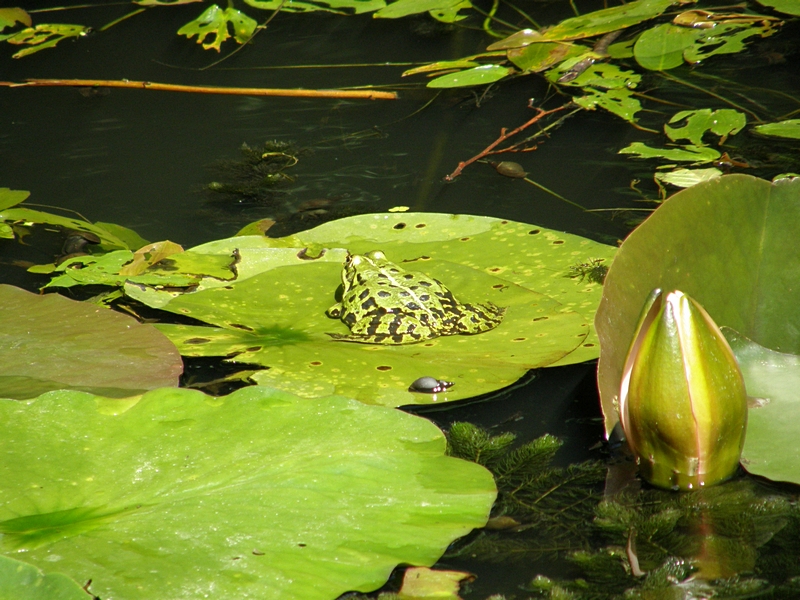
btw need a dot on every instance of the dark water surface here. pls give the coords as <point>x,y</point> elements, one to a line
<point>142,158</point>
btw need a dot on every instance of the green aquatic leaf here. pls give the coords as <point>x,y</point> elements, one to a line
<point>117,268</point>
<point>789,7</point>
<point>482,75</point>
<point>337,6</point>
<point>26,217</point>
<point>215,21</point>
<point>773,426</point>
<point>50,342</point>
<point>722,122</point>
<point>22,581</point>
<point>9,198</point>
<point>605,76</point>
<point>164,2</point>
<point>46,35</point>
<point>259,494</point>
<point>726,38</point>
<point>785,129</point>
<point>689,153</point>
<point>617,101</point>
<point>533,257</point>
<point>729,243</point>
<point>684,178</point>
<point>661,48</point>
<point>6,232</point>
<point>607,20</point>
<point>288,332</point>
<point>443,65</point>
<point>443,10</point>
<point>538,57</point>
<point>11,16</point>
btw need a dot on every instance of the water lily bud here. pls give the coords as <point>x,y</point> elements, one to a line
<point>682,401</point>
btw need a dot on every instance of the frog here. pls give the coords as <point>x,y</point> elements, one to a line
<point>382,303</point>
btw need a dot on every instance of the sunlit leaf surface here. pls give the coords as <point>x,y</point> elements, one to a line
<point>43,36</point>
<point>696,123</point>
<point>606,20</point>
<point>341,6</point>
<point>789,7</point>
<point>482,75</point>
<point>50,342</point>
<point>685,178</point>
<point>730,244</point>
<point>21,581</point>
<point>688,153</point>
<point>784,129</point>
<point>773,423</point>
<point>215,22</point>
<point>443,10</point>
<point>256,495</point>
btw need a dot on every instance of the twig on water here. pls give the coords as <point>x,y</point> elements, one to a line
<point>504,135</point>
<point>204,89</point>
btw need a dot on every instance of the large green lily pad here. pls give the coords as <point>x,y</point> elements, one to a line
<point>21,581</point>
<point>277,319</point>
<point>259,494</point>
<point>773,421</point>
<point>730,243</point>
<point>50,342</point>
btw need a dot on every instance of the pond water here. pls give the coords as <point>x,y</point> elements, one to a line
<point>143,159</point>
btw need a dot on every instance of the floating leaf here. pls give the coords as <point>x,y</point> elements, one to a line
<point>722,122</point>
<point>421,583</point>
<point>784,129</point>
<point>538,57</point>
<point>518,39</point>
<point>21,581</point>
<point>10,17</point>
<point>148,256</point>
<point>443,65</point>
<point>729,243</point>
<point>661,48</point>
<point>338,6</point>
<point>726,38</point>
<point>44,36</point>
<point>773,426</point>
<point>607,20</point>
<point>599,75</point>
<point>50,342</point>
<point>789,7</point>
<point>695,154</point>
<point>444,10</point>
<point>617,101</point>
<point>536,258</point>
<point>289,333</point>
<point>9,198</point>
<point>685,178</point>
<point>215,21</point>
<point>482,75</point>
<point>164,2</point>
<point>258,494</point>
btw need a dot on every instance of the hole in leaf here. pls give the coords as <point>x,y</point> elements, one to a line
<point>466,239</point>
<point>384,368</point>
<point>399,226</point>
<point>534,231</point>
<point>518,339</point>
<point>197,341</point>
<point>419,225</point>
<point>558,242</point>
<point>240,326</point>
<point>253,349</point>
<point>315,363</point>
<point>541,318</point>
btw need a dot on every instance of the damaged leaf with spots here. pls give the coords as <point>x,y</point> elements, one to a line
<point>215,22</point>
<point>694,124</point>
<point>43,36</point>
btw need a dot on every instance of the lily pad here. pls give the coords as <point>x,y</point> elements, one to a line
<point>696,123</point>
<point>21,581</point>
<point>660,48</point>
<point>50,342</point>
<point>785,129</point>
<point>215,22</point>
<point>789,7</point>
<point>277,319</point>
<point>773,422</point>
<point>338,6</point>
<point>607,20</point>
<point>684,178</point>
<point>688,153</point>
<point>481,75</point>
<point>258,494</point>
<point>730,244</point>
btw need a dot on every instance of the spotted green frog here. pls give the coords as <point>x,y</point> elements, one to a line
<point>385,304</point>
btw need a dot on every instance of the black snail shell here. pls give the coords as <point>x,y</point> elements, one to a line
<point>429,385</point>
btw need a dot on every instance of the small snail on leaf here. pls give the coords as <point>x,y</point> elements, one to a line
<point>510,169</point>
<point>429,385</point>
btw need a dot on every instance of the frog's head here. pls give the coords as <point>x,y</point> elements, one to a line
<point>365,264</point>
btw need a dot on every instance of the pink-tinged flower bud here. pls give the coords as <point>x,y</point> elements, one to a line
<point>682,401</point>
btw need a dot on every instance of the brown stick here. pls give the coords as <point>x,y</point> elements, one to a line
<point>504,135</point>
<point>205,89</point>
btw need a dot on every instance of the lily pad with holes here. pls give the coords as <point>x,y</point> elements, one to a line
<point>730,244</point>
<point>51,342</point>
<point>277,320</point>
<point>259,494</point>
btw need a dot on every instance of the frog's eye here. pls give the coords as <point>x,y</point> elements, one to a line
<point>377,255</point>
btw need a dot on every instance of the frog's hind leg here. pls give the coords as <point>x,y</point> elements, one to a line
<point>480,317</point>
